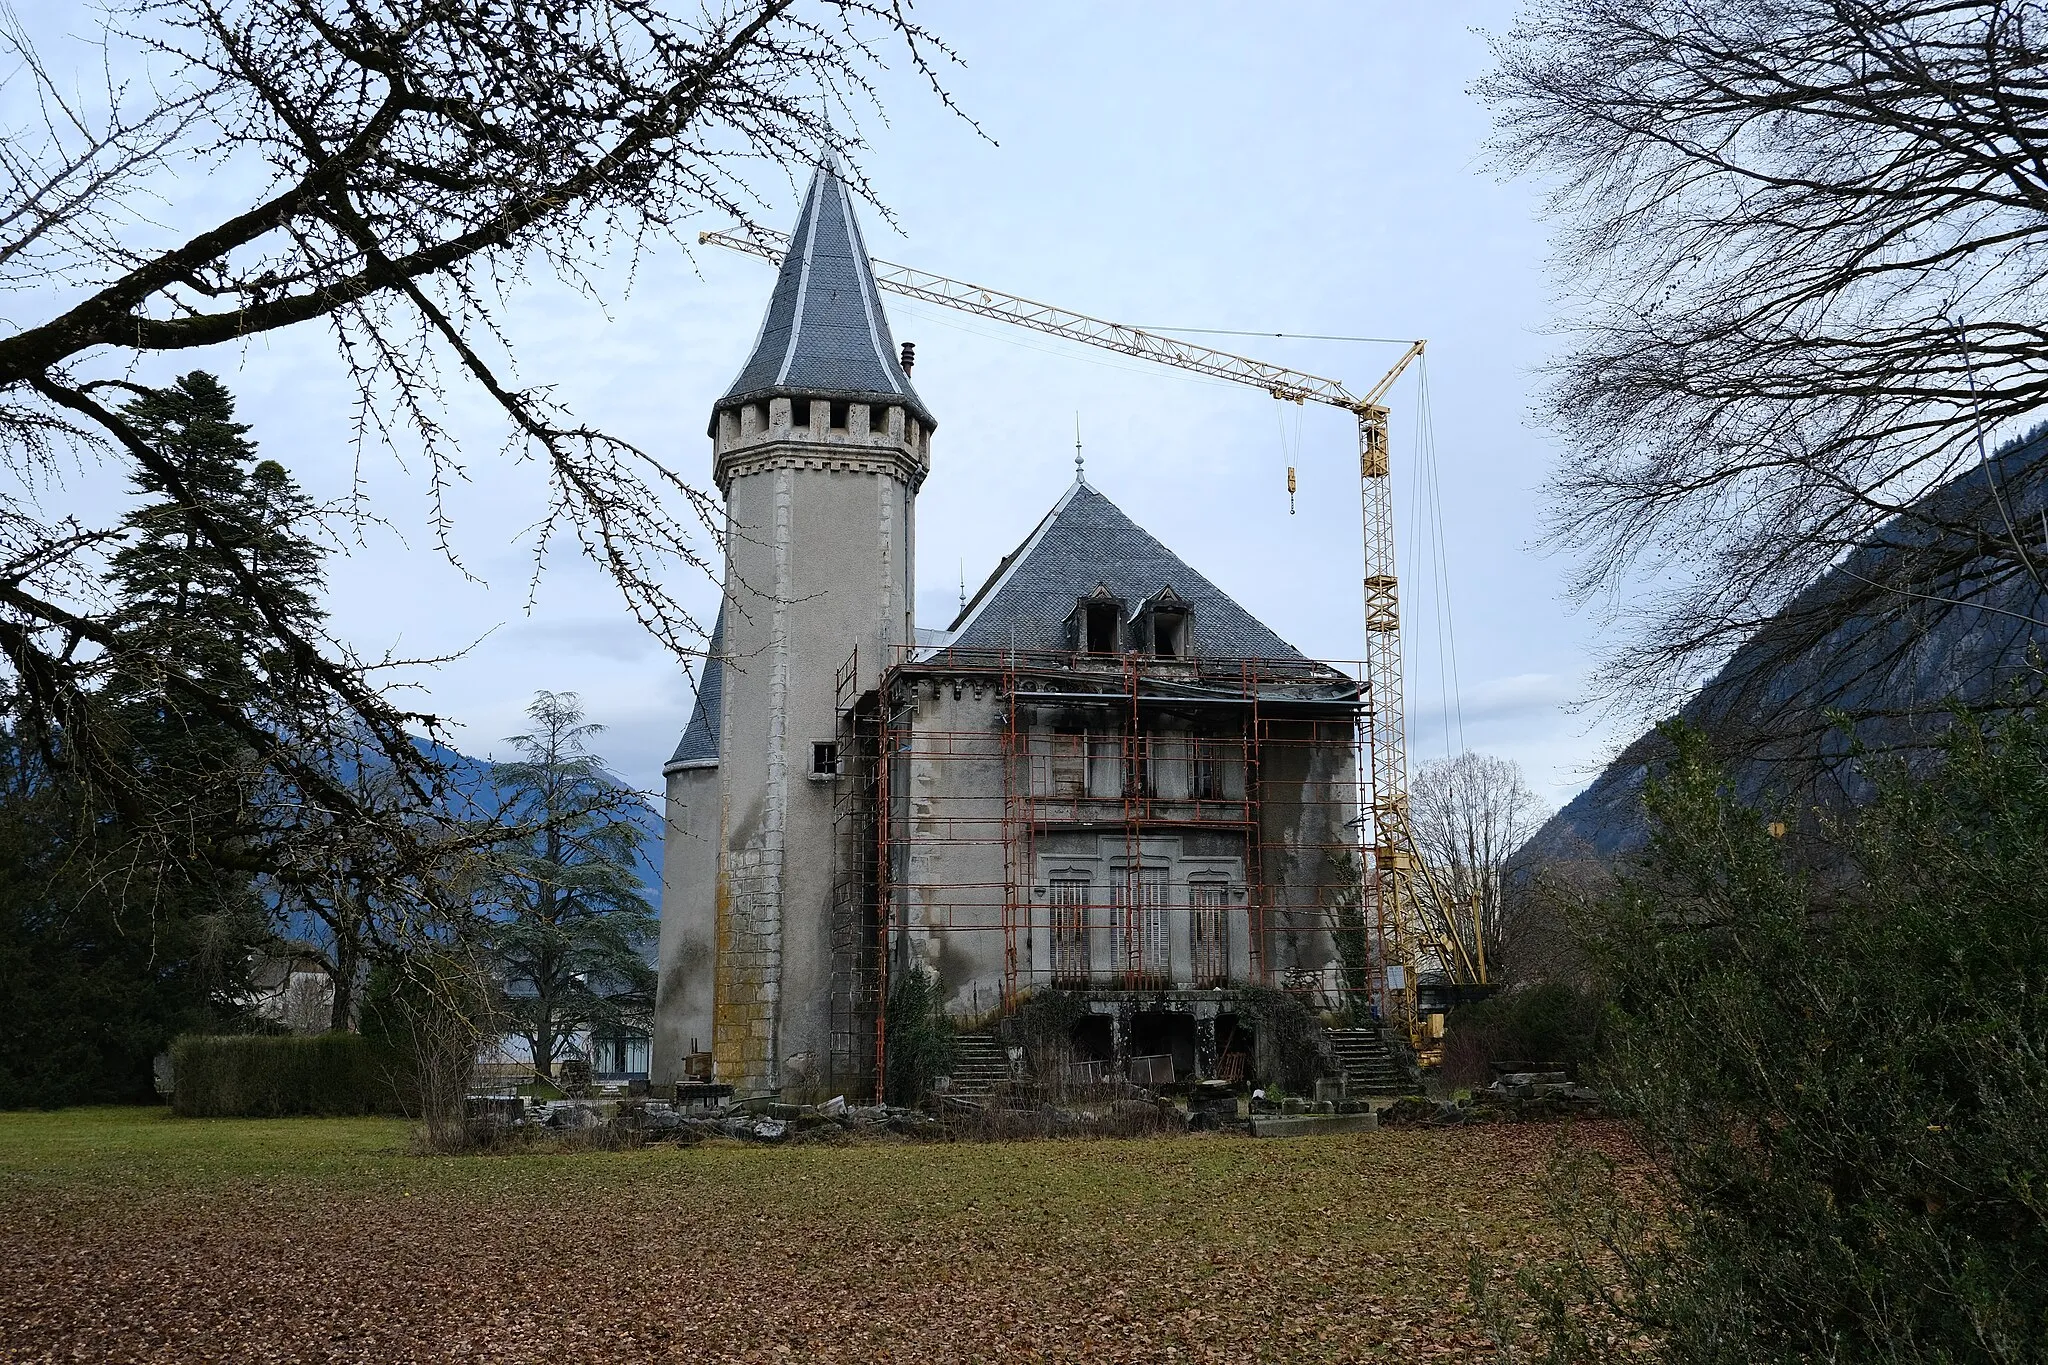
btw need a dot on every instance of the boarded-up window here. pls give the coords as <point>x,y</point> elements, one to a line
<point>1210,932</point>
<point>1167,765</point>
<point>1105,765</point>
<point>1138,931</point>
<point>1070,930</point>
<point>1059,765</point>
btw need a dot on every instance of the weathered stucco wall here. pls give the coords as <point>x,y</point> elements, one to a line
<point>689,888</point>
<point>819,560</point>
<point>1308,797</point>
<point>950,902</point>
<point>962,835</point>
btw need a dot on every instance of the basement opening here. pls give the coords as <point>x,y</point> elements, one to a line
<point>1092,1038</point>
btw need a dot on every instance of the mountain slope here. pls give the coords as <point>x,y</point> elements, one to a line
<point>1944,603</point>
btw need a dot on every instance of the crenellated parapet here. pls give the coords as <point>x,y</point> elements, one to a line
<point>819,433</point>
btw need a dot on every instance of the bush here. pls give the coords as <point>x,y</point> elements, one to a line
<point>1833,1039</point>
<point>1552,1023</point>
<point>918,1037</point>
<point>255,1076</point>
<point>427,1013</point>
<point>1043,1025</point>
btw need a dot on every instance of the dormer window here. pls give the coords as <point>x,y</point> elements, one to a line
<point>1099,623</point>
<point>1169,630</point>
<point>1096,625</point>
<point>1164,627</point>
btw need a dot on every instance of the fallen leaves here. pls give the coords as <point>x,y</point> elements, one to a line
<point>323,1241</point>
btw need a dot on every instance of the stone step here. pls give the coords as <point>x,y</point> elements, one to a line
<point>1363,1057</point>
<point>980,1064</point>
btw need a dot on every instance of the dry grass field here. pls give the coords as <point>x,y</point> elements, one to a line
<point>133,1236</point>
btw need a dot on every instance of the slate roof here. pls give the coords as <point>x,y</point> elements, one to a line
<point>1086,539</point>
<point>825,334</point>
<point>700,737</point>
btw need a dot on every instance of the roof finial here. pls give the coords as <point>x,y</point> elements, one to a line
<point>1079,475</point>
<point>963,583</point>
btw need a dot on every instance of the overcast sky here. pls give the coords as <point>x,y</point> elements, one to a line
<point>1292,168</point>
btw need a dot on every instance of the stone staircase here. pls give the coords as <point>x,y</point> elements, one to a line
<point>980,1065</point>
<point>1361,1054</point>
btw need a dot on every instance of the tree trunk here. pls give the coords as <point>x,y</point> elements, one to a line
<point>347,961</point>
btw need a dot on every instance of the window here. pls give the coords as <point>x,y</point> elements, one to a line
<point>1138,929</point>
<point>825,759</point>
<point>1064,775</point>
<point>1210,935</point>
<point>1169,634</point>
<point>1167,766</point>
<point>800,412</point>
<point>838,415</point>
<point>1070,930</point>
<point>1219,769</point>
<point>1105,765</point>
<point>1100,621</point>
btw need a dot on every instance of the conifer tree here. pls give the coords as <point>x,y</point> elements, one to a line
<point>574,920</point>
<point>181,608</point>
<point>126,916</point>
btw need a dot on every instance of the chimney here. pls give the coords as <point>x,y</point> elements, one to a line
<point>909,356</point>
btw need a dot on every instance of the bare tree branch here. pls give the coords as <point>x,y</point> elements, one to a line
<point>1804,245</point>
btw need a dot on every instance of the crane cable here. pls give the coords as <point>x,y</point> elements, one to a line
<point>1290,452</point>
<point>1429,550</point>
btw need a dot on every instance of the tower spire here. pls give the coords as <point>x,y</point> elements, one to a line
<point>1080,473</point>
<point>825,334</point>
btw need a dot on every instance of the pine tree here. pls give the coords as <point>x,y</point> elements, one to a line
<point>128,916</point>
<point>574,918</point>
<point>186,628</point>
<point>183,613</point>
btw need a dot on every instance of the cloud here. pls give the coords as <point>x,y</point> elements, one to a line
<point>616,638</point>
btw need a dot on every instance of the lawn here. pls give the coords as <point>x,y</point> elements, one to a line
<point>131,1235</point>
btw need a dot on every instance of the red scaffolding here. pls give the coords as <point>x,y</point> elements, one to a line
<point>967,765</point>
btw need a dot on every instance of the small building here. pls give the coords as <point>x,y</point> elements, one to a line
<point>1104,777</point>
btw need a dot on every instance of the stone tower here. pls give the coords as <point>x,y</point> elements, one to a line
<point>819,448</point>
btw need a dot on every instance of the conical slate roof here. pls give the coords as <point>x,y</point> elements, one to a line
<point>700,737</point>
<point>1086,541</point>
<point>825,334</point>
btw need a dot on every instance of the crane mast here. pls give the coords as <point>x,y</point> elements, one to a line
<point>1400,921</point>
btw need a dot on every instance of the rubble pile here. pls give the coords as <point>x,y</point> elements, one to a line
<point>1516,1097</point>
<point>656,1120</point>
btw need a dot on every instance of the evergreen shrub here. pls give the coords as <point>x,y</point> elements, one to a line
<point>271,1076</point>
<point>1552,1023</point>
<point>1287,1040</point>
<point>919,1037</point>
<point>1830,1038</point>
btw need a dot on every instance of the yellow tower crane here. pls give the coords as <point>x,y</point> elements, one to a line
<point>1403,920</point>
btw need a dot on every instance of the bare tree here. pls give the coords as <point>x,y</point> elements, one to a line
<point>1469,815</point>
<point>1804,246</point>
<point>411,162</point>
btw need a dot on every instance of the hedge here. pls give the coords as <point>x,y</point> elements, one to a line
<point>269,1076</point>
<point>1549,1024</point>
